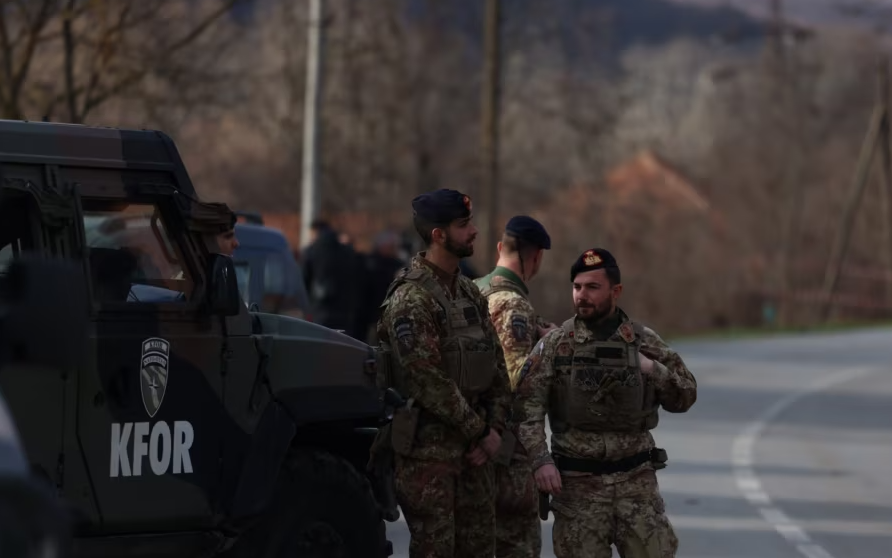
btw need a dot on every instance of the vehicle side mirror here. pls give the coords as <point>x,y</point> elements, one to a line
<point>222,297</point>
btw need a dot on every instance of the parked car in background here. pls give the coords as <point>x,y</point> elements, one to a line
<point>267,272</point>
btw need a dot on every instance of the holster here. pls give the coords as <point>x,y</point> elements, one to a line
<point>544,505</point>
<point>380,469</point>
<point>405,426</point>
<point>659,458</point>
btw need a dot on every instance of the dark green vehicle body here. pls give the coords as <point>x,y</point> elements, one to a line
<point>192,418</point>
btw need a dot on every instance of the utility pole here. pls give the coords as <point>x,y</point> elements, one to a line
<point>886,165</point>
<point>781,88</point>
<point>876,139</point>
<point>310,182</point>
<point>777,35</point>
<point>490,129</point>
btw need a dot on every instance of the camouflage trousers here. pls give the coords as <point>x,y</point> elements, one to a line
<point>518,529</point>
<point>591,514</point>
<point>449,508</point>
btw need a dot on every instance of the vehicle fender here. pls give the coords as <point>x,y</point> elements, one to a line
<point>265,455</point>
<point>318,374</point>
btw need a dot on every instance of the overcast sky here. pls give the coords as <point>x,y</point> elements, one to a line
<point>813,12</point>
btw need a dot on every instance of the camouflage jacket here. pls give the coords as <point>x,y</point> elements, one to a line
<point>449,424</point>
<point>513,317</point>
<point>676,391</point>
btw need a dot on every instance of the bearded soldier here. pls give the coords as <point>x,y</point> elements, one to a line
<point>523,244</point>
<point>601,378</point>
<point>440,352</point>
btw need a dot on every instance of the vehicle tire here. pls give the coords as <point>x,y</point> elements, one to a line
<point>322,508</point>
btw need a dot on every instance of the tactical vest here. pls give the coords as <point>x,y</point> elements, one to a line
<point>468,358</point>
<point>599,386</point>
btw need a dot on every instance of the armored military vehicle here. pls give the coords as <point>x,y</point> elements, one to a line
<point>194,427</point>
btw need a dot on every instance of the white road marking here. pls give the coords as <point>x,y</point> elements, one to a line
<point>745,476</point>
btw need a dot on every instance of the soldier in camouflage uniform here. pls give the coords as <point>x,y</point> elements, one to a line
<point>439,351</point>
<point>601,378</point>
<point>523,245</point>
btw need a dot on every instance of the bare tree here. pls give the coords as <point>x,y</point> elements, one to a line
<point>774,134</point>
<point>70,57</point>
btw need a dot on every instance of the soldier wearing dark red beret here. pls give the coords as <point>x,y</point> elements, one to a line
<point>439,350</point>
<point>601,379</point>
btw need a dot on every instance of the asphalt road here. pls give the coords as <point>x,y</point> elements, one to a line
<point>786,454</point>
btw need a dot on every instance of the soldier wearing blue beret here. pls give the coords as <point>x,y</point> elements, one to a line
<point>521,251</point>
<point>439,350</point>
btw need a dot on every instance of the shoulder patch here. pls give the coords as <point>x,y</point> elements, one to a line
<point>520,327</point>
<point>405,334</point>
<point>534,357</point>
<point>626,332</point>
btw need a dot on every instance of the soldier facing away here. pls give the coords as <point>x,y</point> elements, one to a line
<point>445,359</point>
<point>521,250</point>
<point>601,378</point>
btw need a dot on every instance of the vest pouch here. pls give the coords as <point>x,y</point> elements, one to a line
<point>586,396</point>
<point>478,372</point>
<point>627,395</point>
<point>632,391</point>
<point>559,400</point>
<point>452,364</point>
<point>403,428</point>
<point>384,364</point>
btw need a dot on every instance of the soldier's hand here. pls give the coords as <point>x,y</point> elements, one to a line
<point>647,365</point>
<point>544,328</point>
<point>476,456</point>
<point>491,443</point>
<point>548,479</point>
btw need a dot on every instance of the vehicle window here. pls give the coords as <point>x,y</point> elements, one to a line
<point>16,233</point>
<point>132,257</point>
<point>243,277</point>
<point>8,254</point>
<point>274,280</point>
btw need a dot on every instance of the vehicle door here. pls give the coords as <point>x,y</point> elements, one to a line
<point>151,418</point>
<point>35,395</point>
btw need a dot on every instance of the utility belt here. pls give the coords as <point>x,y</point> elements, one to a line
<point>656,456</point>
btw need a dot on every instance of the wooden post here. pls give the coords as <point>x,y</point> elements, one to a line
<point>859,183</point>
<point>490,130</point>
<point>886,162</point>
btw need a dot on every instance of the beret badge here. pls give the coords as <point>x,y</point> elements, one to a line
<point>590,258</point>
